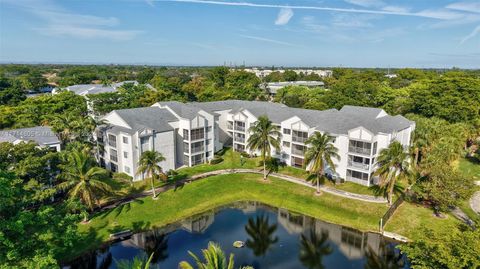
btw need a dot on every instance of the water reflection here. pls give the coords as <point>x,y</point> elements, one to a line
<point>261,235</point>
<point>275,238</point>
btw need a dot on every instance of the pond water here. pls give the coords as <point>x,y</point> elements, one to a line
<point>275,238</point>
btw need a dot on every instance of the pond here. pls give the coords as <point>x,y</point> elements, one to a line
<point>275,238</point>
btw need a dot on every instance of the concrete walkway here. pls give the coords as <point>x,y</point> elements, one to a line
<point>337,192</point>
<point>475,202</point>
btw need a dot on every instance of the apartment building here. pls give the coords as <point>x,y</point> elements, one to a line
<point>43,136</point>
<point>189,134</point>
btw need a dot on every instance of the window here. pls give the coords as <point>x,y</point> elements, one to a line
<point>374,148</point>
<point>197,134</point>
<point>126,169</point>
<point>186,160</point>
<point>186,147</point>
<point>286,144</point>
<point>185,134</point>
<point>100,135</point>
<point>112,140</point>
<point>113,155</point>
<point>240,126</point>
<point>230,125</point>
<point>145,143</point>
<point>209,141</point>
<point>125,155</point>
<point>209,129</point>
<point>113,167</point>
<point>355,175</point>
<point>298,149</point>
<point>125,139</point>
<point>286,131</point>
<point>208,154</point>
<point>198,147</point>
<point>297,162</point>
<point>360,147</point>
<point>299,136</point>
<point>197,159</point>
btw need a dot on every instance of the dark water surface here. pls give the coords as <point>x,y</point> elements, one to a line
<point>275,238</point>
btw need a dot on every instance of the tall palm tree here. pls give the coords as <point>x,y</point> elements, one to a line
<point>420,144</point>
<point>319,153</point>
<point>263,137</point>
<point>148,164</point>
<point>64,125</point>
<point>84,180</point>
<point>393,165</point>
<point>261,233</point>
<point>214,258</point>
<point>313,248</point>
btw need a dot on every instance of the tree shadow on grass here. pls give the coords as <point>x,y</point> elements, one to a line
<point>123,207</point>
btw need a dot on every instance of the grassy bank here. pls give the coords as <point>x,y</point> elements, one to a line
<point>208,193</point>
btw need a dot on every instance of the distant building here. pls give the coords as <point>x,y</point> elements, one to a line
<point>84,89</point>
<point>262,73</point>
<point>391,75</point>
<point>273,87</point>
<point>43,136</point>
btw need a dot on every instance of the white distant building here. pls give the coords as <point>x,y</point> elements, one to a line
<point>84,89</point>
<point>43,136</point>
<point>273,87</point>
<point>189,134</point>
<point>262,73</point>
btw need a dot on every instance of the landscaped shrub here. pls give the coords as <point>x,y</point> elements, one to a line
<point>216,160</point>
<point>245,155</point>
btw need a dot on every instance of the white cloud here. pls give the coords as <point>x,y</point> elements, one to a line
<point>278,42</point>
<point>366,3</point>
<point>61,22</point>
<point>353,21</point>
<point>473,34</point>
<point>465,6</point>
<point>396,9</point>
<point>284,16</point>
<point>432,14</point>
<point>311,24</point>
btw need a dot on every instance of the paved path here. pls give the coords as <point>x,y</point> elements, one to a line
<point>459,214</point>
<point>179,183</point>
<point>475,202</point>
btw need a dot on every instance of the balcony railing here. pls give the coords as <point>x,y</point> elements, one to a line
<point>299,139</point>
<point>229,126</point>
<point>239,139</point>
<point>298,152</point>
<point>359,165</point>
<point>112,143</point>
<point>198,149</point>
<point>197,137</point>
<point>364,151</point>
<point>240,128</point>
<point>113,158</point>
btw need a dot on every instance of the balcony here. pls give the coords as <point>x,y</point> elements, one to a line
<point>364,151</point>
<point>239,128</point>
<point>198,149</point>
<point>230,125</point>
<point>298,152</point>
<point>113,158</point>
<point>239,139</point>
<point>299,139</point>
<point>359,165</point>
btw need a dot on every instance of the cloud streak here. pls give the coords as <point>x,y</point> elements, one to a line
<point>268,40</point>
<point>473,34</point>
<point>432,14</point>
<point>284,16</point>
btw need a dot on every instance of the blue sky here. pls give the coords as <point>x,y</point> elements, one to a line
<point>354,33</point>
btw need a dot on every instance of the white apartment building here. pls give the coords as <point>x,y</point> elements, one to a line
<point>189,134</point>
<point>262,73</point>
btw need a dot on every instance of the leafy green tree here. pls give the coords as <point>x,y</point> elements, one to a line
<point>263,137</point>
<point>393,165</point>
<point>452,249</point>
<point>313,248</point>
<point>214,258</point>
<point>261,235</point>
<point>320,153</point>
<point>149,165</point>
<point>83,179</point>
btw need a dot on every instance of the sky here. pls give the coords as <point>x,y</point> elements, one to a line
<point>314,33</point>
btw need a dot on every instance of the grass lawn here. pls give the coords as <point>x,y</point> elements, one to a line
<point>355,188</point>
<point>469,168</point>
<point>410,217</point>
<point>211,192</point>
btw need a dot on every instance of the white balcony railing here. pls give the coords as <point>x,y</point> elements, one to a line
<point>363,151</point>
<point>359,165</point>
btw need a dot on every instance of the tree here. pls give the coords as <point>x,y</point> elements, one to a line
<point>84,180</point>
<point>214,258</point>
<point>313,248</point>
<point>319,154</point>
<point>149,165</point>
<point>137,263</point>
<point>451,249</point>
<point>393,165</point>
<point>263,137</point>
<point>261,235</point>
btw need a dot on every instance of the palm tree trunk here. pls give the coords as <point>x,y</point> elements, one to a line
<point>318,184</point>
<point>153,187</point>
<point>417,153</point>
<point>264,170</point>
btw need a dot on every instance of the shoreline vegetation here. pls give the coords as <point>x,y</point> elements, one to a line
<point>199,196</point>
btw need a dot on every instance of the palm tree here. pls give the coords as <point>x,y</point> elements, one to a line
<point>261,234</point>
<point>148,165</point>
<point>263,137</point>
<point>393,164</point>
<point>64,125</point>
<point>137,263</point>
<point>390,258</point>
<point>214,258</point>
<point>319,153</point>
<point>420,143</point>
<point>84,180</point>
<point>313,248</point>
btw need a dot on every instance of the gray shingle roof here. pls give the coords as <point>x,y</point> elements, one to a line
<point>331,120</point>
<point>181,109</point>
<point>154,118</point>
<point>42,135</point>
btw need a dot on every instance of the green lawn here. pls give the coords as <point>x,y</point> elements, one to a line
<point>211,192</point>
<point>469,168</point>
<point>410,217</point>
<point>355,188</point>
